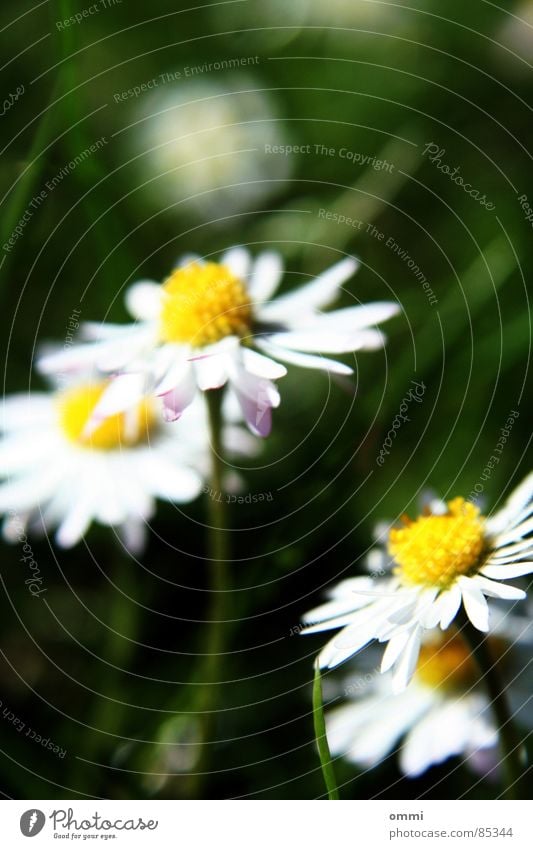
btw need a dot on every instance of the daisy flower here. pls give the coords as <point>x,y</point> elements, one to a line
<point>448,557</point>
<point>444,712</point>
<point>57,476</point>
<point>214,323</point>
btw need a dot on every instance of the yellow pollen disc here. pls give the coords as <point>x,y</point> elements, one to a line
<point>435,550</point>
<point>122,430</point>
<point>203,304</point>
<point>446,664</point>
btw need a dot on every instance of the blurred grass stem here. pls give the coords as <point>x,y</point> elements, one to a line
<point>511,749</point>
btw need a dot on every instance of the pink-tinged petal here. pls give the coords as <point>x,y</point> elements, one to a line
<point>257,413</point>
<point>143,300</point>
<point>475,603</point>
<point>507,571</point>
<point>310,297</point>
<point>175,374</point>
<point>304,360</point>
<point>177,400</point>
<point>266,275</point>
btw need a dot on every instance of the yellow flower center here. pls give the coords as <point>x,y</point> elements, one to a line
<point>446,664</point>
<point>122,430</point>
<point>435,550</point>
<point>203,304</point>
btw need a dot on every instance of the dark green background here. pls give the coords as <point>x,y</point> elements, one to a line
<point>377,73</point>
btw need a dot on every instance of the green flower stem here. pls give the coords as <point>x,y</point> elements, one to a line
<point>105,723</point>
<point>511,748</point>
<point>218,613</point>
<point>321,737</point>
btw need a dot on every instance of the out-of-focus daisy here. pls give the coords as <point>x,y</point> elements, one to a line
<point>201,145</point>
<point>212,323</point>
<point>450,556</point>
<point>444,712</point>
<point>57,476</point>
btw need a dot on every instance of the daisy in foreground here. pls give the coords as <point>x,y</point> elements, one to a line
<point>448,557</point>
<point>56,476</point>
<point>214,323</point>
<point>444,712</point>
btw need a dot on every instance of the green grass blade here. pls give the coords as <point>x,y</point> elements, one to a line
<point>321,737</point>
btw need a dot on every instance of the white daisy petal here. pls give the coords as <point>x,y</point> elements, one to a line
<point>395,647</point>
<point>517,533</point>
<point>518,499</point>
<point>262,366</point>
<point>124,392</point>
<point>405,665</point>
<point>503,572</point>
<point>266,276</point>
<point>475,603</point>
<point>238,261</point>
<point>495,589</point>
<point>133,533</point>
<point>510,552</point>
<point>303,360</point>
<point>177,484</point>
<point>143,300</point>
<point>76,522</point>
<point>442,733</point>
<point>311,296</point>
<point>327,341</point>
<point>449,605</point>
<point>21,410</point>
<point>211,372</point>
